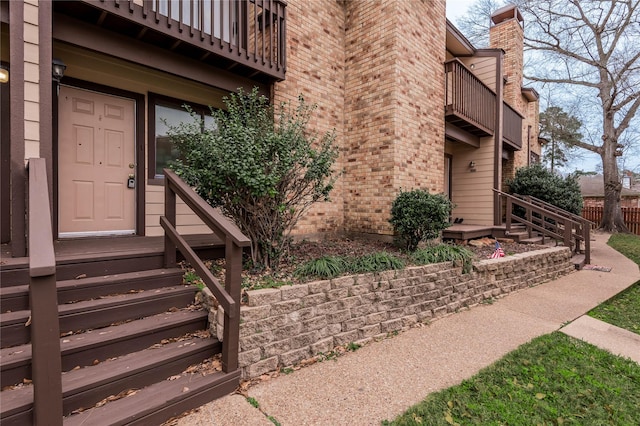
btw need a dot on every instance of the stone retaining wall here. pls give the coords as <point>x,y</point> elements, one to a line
<point>283,326</point>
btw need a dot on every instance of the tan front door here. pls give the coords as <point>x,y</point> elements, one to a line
<point>96,155</point>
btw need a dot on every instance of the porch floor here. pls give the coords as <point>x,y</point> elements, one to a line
<point>459,231</point>
<point>89,247</point>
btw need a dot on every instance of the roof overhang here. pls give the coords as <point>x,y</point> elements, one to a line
<point>457,43</point>
<point>530,94</point>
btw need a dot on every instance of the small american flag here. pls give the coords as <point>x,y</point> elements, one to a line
<point>498,252</point>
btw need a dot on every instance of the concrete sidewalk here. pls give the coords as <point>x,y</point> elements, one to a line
<point>383,379</point>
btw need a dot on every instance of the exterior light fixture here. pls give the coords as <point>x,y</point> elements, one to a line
<point>57,70</point>
<point>4,75</point>
<point>472,166</point>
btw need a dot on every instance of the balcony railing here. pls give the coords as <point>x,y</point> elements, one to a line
<point>469,103</point>
<point>249,33</point>
<point>512,128</point>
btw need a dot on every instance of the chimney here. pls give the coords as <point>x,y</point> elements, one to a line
<point>507,33</point>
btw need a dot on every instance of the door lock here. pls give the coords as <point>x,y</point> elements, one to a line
<point>131,182</point>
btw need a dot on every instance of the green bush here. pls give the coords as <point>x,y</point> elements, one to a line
<point>375,262</point>
<point>260,165</point>
<point>539,182</point>
<point>419,216</point>
<point>444,253</point>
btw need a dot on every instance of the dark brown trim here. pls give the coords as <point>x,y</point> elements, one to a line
<point>450,175</point>
<point>5,161</point>
<point>45,45</point>
<point>153,178</point>
<point>456,133</point>
<point>90,37</point>
<point>16,88</point>
<point>498,54</point>
<point>139,100</point>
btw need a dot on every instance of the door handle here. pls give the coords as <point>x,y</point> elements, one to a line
<point>131,182</point>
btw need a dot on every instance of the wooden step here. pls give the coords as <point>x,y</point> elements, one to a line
<point>99,313</point>
<point>159,402</point>
<point>532,240</point>
<point>578,261</point>
<point>16,298</point>
<point>83,388</point>
<point>101,344</point>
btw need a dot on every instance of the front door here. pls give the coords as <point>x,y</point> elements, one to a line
<point>96,158</point>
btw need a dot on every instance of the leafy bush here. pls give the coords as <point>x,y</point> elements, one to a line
<point>323,267</point>
<point>375,262</point>
<point>263,171</point>
<point>418,216</point>
<point>444,253</point>
<point>539,182</point>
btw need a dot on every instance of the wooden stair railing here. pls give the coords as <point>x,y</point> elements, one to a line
<point>551,222</point>
<point>229,295</point>
<point>43,299</point>
<point>582,226</point>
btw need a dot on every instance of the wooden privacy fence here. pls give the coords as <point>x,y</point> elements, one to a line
<point>630,215</point>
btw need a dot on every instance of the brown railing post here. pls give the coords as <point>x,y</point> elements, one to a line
<point>233,279</point>
<point>509,211</point>
<point>170,214</point>
<point>43,298</point>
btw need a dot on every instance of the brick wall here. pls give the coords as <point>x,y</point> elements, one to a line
<point>375,70</point>
<point>315,69</point>
<point>281,327</point>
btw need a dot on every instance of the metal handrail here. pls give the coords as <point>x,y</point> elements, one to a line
<point>43,300</point>
<point>229,295</point>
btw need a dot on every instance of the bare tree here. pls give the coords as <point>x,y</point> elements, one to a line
<point>475,23</point>
<point>591,46</point>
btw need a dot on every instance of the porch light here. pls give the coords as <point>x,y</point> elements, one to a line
<point>472,166</point>
<point>57,69</point>
<point>4,75</point>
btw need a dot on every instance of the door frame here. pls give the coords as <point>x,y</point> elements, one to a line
<point>139,146</point>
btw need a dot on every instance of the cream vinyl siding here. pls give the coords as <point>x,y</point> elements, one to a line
<point>484,68</point>
<point>472,192</point>
<point>119,74</point>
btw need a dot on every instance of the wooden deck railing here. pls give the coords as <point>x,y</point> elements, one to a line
<point>467,97</point>
<point>630,216</point>
<point>555,223</point>
<point>250,32</point>
<point>229,295</point>
<point>512,127</point>
<point>43,299</point>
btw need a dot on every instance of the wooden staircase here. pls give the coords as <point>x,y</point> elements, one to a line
<point>107,333</point>
<point>123,333</point>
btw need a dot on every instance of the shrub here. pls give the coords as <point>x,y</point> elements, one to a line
<point>263,169</point>
<point>444,253</point>
<point>419,216</point>
<point>375,262</point>
<point>539,182</point>
<point>323,267</point>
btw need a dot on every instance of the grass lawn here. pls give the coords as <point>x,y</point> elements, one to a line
<point>623,310</point>
<point>552,380</point>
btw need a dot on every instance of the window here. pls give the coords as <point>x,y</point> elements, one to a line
<point>164,113</point>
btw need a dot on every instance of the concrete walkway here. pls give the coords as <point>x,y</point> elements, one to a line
<point>383,379</point>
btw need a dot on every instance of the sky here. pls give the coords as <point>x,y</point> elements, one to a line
<point>586,161</point>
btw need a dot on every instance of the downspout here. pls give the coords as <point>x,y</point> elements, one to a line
<point>497,160</point>
<point>529,145</point>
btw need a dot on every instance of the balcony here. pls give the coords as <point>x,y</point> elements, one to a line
<point>246,37</point>
<point>470,106</point>
<point>469,103</point>
<point>512,128</point>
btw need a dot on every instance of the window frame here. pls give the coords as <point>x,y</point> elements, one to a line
<point>153,176</point>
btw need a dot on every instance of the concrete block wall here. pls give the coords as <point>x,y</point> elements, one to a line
<point>283,326</point>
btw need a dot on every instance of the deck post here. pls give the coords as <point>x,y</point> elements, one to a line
<point>233,279</point>
<point>170,213</point>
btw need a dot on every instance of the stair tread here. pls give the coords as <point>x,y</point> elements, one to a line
<point>160,400</point>
<point>102,303</point>
<point>74,343</point>
<point>92,377</point>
